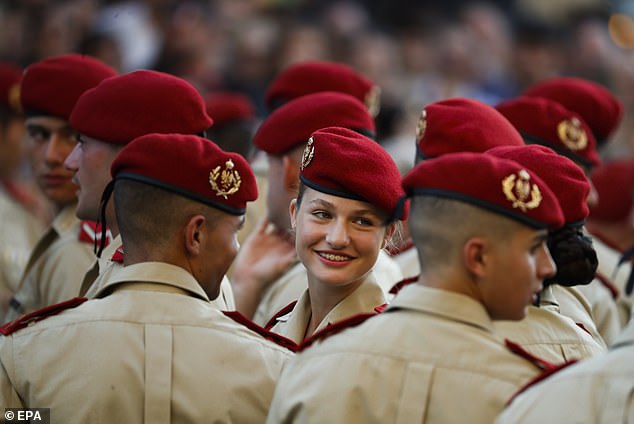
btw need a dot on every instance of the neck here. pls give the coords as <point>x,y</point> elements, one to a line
<point>111,219</point>
<point>323,299</point>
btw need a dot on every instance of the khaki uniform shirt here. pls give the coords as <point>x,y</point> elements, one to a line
<point>153,349</point>
<point>598,391</point>
<point>550,336</point>
<point>408,261</point>
<point>56,267</point>
<point>363,299</point>
<point>104,267</point>
<point>19,232</point>
<point>569,302</point>
<point>290,286</point>
<point>609,267</point>
<point>605,310</point>
<point>431,357</point>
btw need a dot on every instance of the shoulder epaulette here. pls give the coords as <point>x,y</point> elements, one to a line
<point>90,232</point>
<point>520,351</point>
<point>40,314</point>
<point>335,328</point>
<point>269,335</point>
<point>406,282</point>
<point>605,281</point>
<point>583,327</point>
<point>540,377</point>
<point>285,310</point>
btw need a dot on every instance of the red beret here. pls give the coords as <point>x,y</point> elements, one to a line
<point>614,182</point>
<point>309,77</point>
<point>462,125</point>
<point>10,76</point>
<point>594,103</point>
<point>292,124</point>
<point>344,163</point>
<point>52,86</point>
<point>499,185</point>
<point>224,107</point>
<point>128,106</point>
<point>190,166</point>
<point>564,177</point>
<point>544,121</point>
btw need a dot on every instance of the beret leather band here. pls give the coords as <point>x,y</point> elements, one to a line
<point>448,194</point>
<point>330,190</point>
<point>180,191</point>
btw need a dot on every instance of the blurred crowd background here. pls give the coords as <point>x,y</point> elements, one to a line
<point>417,51</point>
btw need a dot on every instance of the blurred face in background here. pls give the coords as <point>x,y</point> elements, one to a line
<point>50,141</point>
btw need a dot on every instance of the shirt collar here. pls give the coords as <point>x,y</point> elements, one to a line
<point>156,273</point>
<point>443,303</point>
<point>363,299</point>
<point>65,219</point>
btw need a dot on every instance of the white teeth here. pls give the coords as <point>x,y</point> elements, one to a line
<point>332,257</point>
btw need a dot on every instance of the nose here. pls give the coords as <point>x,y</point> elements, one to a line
<point>71,163</point>
<point>593,195</point>
<point>337,236</point>
<point>546,267</point>
<point>54,154</point>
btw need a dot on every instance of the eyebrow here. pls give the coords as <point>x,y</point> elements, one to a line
<point>45,128</point>
<point>542,236</point>
<point>331,205</point>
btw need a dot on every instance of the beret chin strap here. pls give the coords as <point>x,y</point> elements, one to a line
<point>627,257</point>
<point>101,220</point>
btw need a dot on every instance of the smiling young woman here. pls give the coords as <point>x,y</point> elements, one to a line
<point>344,213</point>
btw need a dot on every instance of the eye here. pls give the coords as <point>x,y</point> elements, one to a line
<point>38,134</point>
<point>321,214</point>
<point>365,222</point>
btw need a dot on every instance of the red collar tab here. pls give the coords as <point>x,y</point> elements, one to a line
<point>269,335</point>
<point>542,376</point>
<point>337,327</point>
<point>608,285</point>
<point>406,282</point>
<point>118,255</point>
<point>285,310</point>
<point>90,232</point>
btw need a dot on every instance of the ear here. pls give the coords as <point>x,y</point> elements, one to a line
<point>389,233</point>
<point>292,210</point>
<point>194,235</point>
<point>291,174</point>
<point>475,256</point>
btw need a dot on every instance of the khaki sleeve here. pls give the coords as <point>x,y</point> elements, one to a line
<point>9,397</point>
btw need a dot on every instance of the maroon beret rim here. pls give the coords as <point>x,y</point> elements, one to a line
<point>180,191</point>
<point>475,201</point>
<point>531,139</point>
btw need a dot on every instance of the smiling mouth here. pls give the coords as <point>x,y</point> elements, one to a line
<point>334,258</point>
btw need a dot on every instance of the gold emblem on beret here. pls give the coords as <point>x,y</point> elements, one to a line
<point>307,156</point>
<point>572,134</point>
<point>519,190</point>
<point>229,180</point>
<point>421,125</point>
<point>372,100</point>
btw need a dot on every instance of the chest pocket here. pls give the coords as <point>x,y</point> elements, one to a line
<point>416,393</point>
